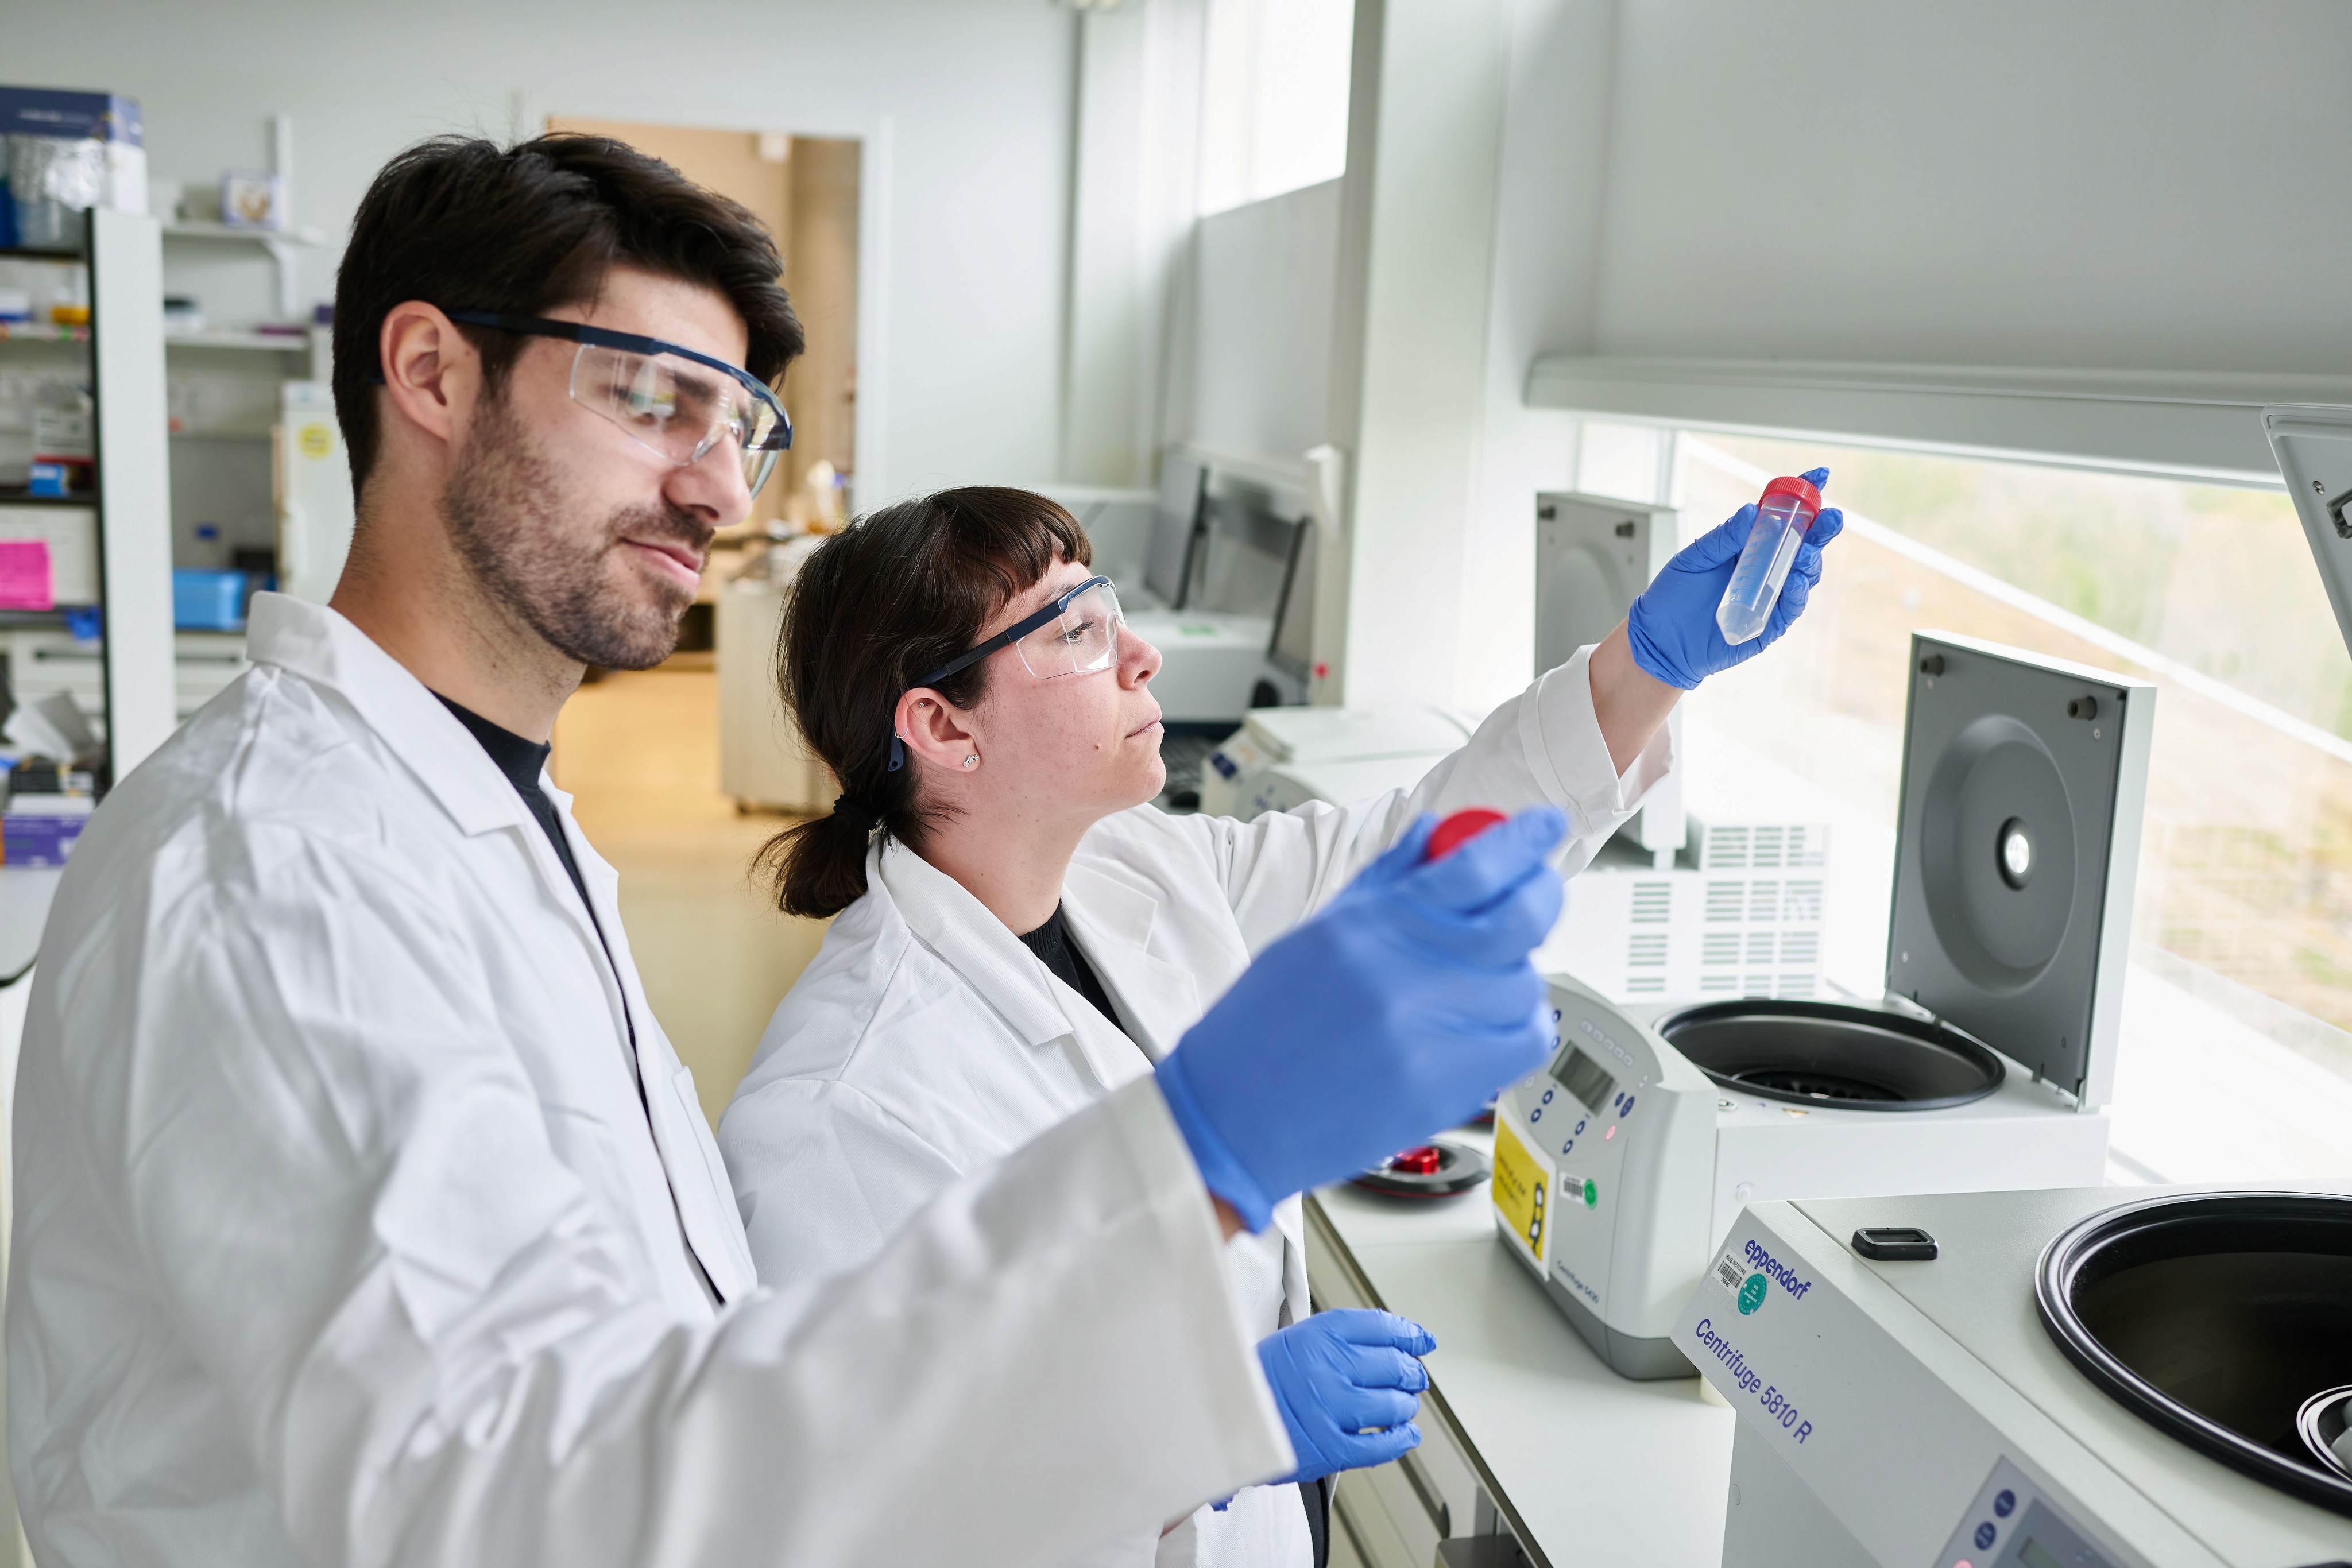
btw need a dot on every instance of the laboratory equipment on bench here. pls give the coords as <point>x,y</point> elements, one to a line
<point>316,512</point>
<point>1594,555</point>
<point>1743,911</point>
<point>1439,1169</point>
<point>1602,1180</point>
<point>2070,1380</point>
<point>2312,447</point>
<point>1284,757</point>
<point>1227,567</point>
<point>1987,1063</point>
<point>1783,513</point>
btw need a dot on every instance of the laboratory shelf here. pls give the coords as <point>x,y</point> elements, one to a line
<point>30,253</point>
<point>278,342</point>
<point>302,237</point>
<point>18,495</point>
<point>41,332</point>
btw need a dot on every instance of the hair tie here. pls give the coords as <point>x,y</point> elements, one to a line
<point>846,805</point>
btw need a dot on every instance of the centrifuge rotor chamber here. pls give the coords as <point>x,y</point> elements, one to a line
<point>1832,1054</point>
<point>2218,1318</point>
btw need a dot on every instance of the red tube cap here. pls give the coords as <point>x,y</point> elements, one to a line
<point>1458,829</point>
<point>1801,488</point>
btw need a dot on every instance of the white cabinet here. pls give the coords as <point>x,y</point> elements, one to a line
<point>761,760</point>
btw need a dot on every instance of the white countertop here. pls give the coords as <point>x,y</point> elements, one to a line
<point>1590,1468</point>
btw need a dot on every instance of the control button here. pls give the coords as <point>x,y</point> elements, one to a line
<point>1580,1126</point>
<point>1568,1146</point>
<point>1626,1109</point>
<point>1610,1133</point>
<point>1592,1193</point>
<point>1547,1099</point>
<point>2004,1505</point>
<point>1535,1115</point>
<point>1985,1533</point>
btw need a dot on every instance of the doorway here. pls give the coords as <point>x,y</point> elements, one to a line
<point>641,751</point>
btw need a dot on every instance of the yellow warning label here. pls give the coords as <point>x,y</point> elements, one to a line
<point>316,440</point>
<point>1518,1187</point>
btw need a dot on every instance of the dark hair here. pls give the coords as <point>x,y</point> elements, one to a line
<point>465,223</point>
<point>888,599</point>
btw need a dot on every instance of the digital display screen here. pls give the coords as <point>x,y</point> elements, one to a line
<point>2033,1554</point>
<point>1583,1077</point>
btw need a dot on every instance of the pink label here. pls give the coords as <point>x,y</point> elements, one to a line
<point>24,579</point>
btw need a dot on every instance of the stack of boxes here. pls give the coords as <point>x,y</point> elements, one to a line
<point>47,808</point>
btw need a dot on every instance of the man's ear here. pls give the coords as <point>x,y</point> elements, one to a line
<point>432,376</point>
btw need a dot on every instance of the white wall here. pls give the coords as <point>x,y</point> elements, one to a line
<point>2103,183</point>
<point>1251,373</point>
<point>2129,185</point>
<point>976,94</point>
<point>1550,181</point>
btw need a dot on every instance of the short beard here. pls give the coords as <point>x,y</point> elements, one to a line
<point>508,517</point>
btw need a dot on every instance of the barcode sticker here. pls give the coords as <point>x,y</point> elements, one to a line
<point>1727,1271</point>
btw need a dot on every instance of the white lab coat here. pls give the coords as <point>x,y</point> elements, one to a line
<point>925,1043</point>
<point>349,1231</point>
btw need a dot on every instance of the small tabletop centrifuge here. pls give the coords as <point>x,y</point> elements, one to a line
<point>1984,1069</point>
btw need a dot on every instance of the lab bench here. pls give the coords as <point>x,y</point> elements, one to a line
<point>1526,1433</point>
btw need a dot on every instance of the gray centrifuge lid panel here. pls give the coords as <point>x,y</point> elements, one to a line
<point>2314,449</point>
<point>2023,783</point>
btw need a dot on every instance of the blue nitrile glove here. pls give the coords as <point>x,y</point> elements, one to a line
<point>1348,1383</point>
<point>1672,626</point>
<point>1393,1013</point>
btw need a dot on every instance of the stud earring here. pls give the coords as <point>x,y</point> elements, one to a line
<point>972,762</point>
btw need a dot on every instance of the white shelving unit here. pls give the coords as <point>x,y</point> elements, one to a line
<point>282,245</point>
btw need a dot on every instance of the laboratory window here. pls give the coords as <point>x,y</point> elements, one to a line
<point>1274,111</point>
<point>2236,1062</point>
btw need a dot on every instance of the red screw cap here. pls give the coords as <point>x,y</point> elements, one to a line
<point>1458,829</point>
<point>1796,485</point>
<point>1421,1161</point>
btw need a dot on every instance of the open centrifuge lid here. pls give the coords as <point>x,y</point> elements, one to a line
<point>2314,449</point>
<point>2016,850</point>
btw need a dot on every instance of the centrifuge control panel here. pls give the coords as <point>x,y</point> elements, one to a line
<point>1559,1147</point>
<point>2012,1523</point>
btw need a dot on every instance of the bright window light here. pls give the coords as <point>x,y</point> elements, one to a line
<point>1274,109</point>
<point>2236,1062</point>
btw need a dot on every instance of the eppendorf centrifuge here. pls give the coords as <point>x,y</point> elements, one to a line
<point>2072,1379</point>
<point>1985,1069</point>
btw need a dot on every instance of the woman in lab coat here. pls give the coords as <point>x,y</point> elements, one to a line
<point>1018,932</point>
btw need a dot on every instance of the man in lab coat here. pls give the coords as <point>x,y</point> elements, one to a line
<point>364,1213</point>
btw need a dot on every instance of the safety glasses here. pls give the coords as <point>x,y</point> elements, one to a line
<point>1077,634</point>
<point>669,399</point>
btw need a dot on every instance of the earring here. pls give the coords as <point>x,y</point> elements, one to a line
<point>972,761</point>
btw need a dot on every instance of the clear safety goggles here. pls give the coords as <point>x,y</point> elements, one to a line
<point>669,399</point>
<point>1077,634</point>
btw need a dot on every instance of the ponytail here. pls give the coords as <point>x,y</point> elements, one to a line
<point>888,599</point>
